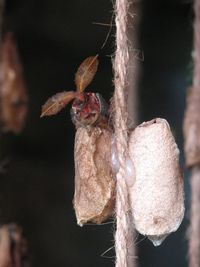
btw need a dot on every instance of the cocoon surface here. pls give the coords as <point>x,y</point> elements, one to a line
<point>157,198</point>
<point>94,184</point>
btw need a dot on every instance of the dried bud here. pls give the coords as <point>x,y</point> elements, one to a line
<point>191,128</point>
<point>13,95</point>
<point>94,183</point>
<point>157,198</point>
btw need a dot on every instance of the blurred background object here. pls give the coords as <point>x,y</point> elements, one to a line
<point>13,94</point>
<point>13,247</point>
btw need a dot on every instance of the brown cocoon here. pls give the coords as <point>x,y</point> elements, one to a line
<point>13,94</point>
<point>94,184</point>
<point>5,244</point>
<point>191,128</point>
<point>13,246</point>
<point>157,198</point>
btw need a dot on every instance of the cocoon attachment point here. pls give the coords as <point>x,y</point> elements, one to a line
<point>157,197</point>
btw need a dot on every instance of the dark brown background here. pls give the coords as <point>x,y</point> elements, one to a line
<point>37,190</point>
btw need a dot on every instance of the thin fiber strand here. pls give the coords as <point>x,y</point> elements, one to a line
<point>124,227</point>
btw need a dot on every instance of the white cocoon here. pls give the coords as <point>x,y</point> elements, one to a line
<point>157,197</point>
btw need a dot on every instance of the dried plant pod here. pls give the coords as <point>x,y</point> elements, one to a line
<point>57,102</point>
<point>86,72</point>
<point>13,94</point>
<point>191,128</point>
<point>94,184</point>
<point>157,197</point>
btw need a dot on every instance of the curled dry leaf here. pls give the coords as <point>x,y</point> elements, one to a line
<point>57,102</point>
<point>13,95</point>
<point>86,72</point>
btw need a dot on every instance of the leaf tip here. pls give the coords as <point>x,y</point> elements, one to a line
<point>42,115</point>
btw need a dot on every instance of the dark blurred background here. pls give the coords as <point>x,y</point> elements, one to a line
<point>37,189</point>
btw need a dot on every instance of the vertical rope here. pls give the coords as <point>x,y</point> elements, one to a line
<point>124,227</point>
<point>192,145</point>
<point>194,242</point>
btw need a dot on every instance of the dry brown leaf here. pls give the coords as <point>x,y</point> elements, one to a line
<point>57,102</point>
<point>86,72</point>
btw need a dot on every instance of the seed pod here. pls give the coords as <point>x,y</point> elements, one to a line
<point>157,198</point>
<point>94,183</point>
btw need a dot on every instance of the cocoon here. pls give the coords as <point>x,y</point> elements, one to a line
<point>94,184</point>
<point>157,198</point>
<point>13,93</point>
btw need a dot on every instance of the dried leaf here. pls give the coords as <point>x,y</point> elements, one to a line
<point>86,72</point>
<point>57,102</point>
